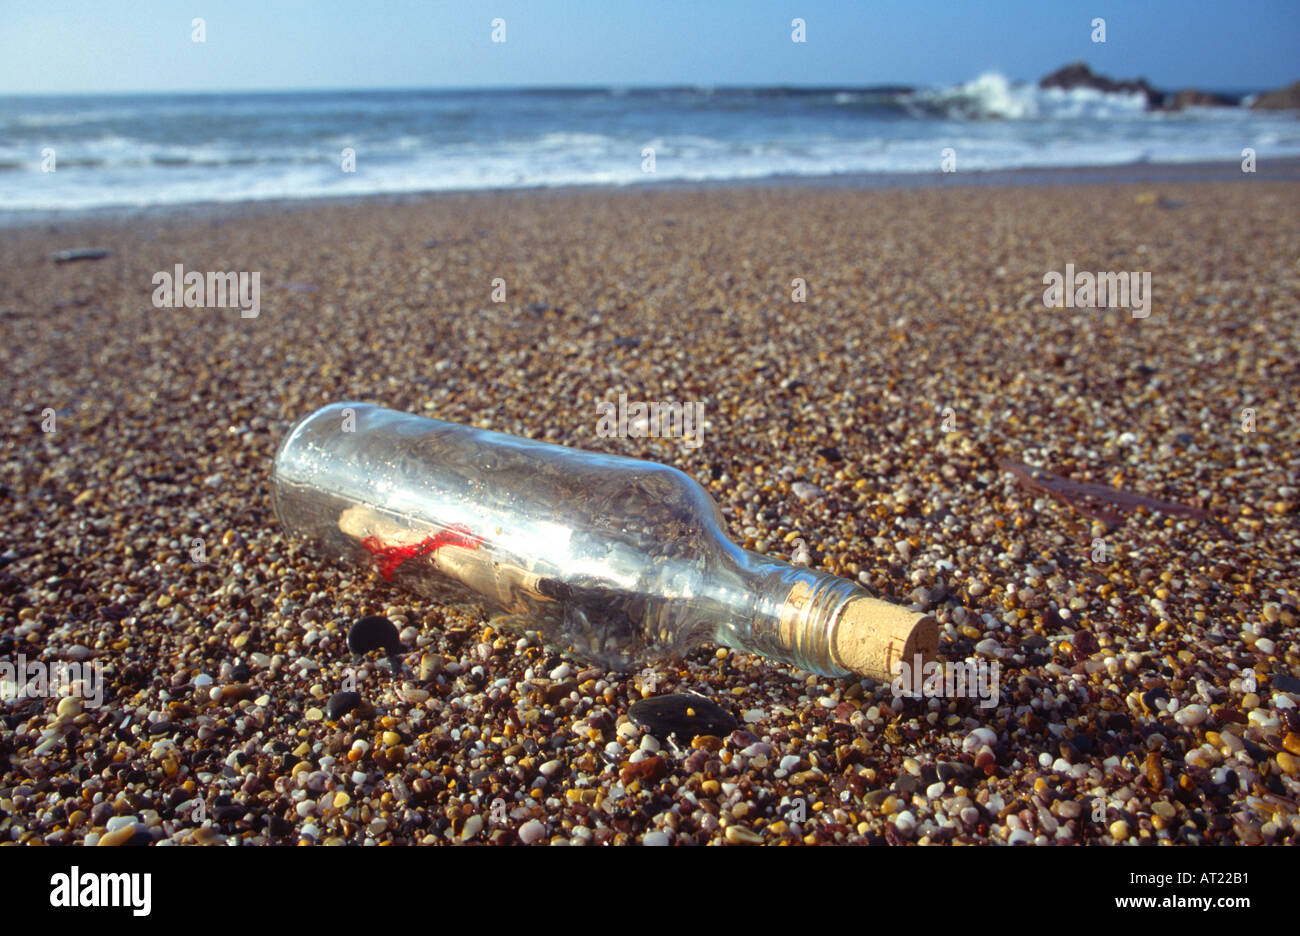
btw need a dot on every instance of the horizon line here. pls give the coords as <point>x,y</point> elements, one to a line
<point>595,86</point>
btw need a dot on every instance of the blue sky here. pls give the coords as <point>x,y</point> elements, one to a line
<point>119,45</point>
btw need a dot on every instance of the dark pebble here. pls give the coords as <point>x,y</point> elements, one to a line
<point>952,770</point>
<point>161,727</point>
<point>558,691</point>
<point>1285,683</point>
<point>1085,643</point>
<point>374,632</point>
<point>341,703</point>
<point>1149,699</point>
<point>831,454</point>
<point>1257,753</point>
<point>683,715</point>
<point>100,813</point>
<point>80,253</point>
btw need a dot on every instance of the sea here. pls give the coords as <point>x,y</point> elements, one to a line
<point>70,154</point>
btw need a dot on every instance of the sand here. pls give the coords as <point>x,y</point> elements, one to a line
<point>1148,684</point>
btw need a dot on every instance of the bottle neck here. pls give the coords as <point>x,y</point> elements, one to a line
<point>791,614</point>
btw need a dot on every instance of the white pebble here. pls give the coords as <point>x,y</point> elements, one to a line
<point>650,744</point>
<point>789,762</point>
<point>905,822</point>
<point>805,491</point>
<point>935,790</point>
<point>119,822</point>
<point>561,671</point>
<point>978,738</point>
<point>531,831</point>
<point>1191,715</point>
<point>1262,718</point>
<point>550,768</point>
<point>656,838</point>
<point>753,716</point>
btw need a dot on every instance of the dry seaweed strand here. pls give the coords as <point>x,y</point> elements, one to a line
<point>1075,494</point>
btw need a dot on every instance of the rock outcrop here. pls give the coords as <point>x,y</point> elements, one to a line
<point>1079,75</point>
<point>1287,98</point>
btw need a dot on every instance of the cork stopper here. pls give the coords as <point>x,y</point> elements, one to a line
<point>871,637</point>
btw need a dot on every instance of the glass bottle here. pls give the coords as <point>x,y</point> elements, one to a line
<point>622,561</point>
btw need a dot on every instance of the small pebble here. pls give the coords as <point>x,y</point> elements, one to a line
<point>341,703</point>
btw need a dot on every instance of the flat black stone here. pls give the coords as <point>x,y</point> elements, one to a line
<point>374,632</point>
<point>684,715</point>
<point>1284,683</point>
<point>341,703</point>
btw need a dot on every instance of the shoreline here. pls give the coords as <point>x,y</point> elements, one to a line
<point>1286,169</point>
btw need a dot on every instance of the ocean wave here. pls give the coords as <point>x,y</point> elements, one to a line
<point>992,96</point>
<point>174,149</point>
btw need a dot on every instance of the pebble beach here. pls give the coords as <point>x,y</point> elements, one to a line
<point>869,362</point>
